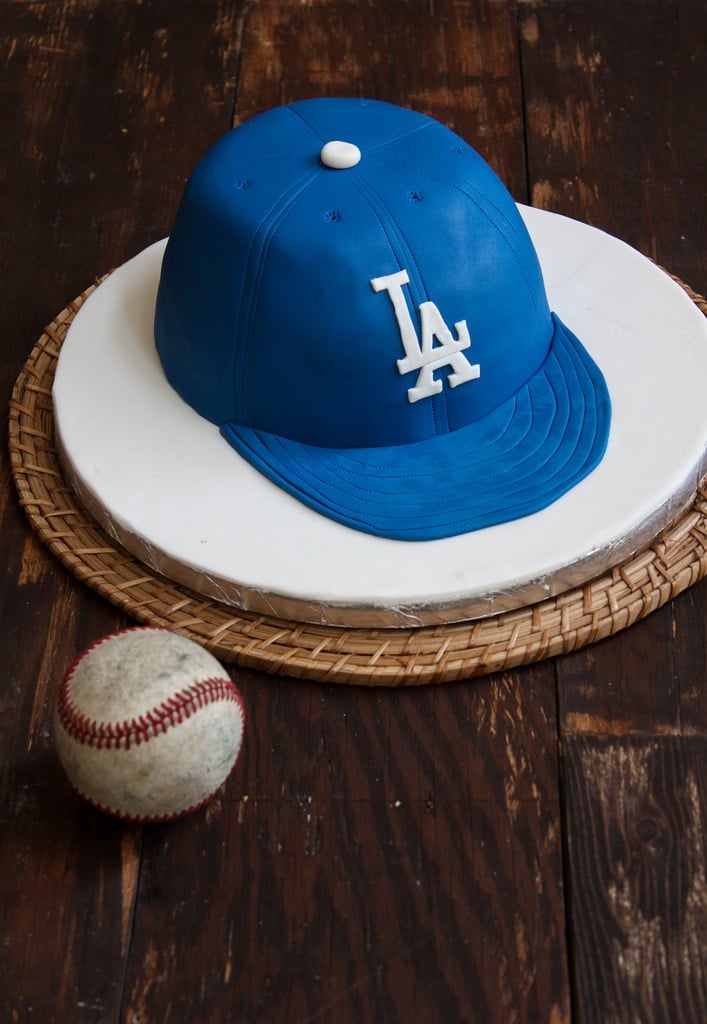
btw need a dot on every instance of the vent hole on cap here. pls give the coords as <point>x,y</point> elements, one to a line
<point>332,216</point>
<point>415,196</point>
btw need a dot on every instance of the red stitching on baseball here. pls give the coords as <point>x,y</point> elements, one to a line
<point>154,722</point>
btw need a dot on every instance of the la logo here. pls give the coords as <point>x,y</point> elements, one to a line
<point>427,357</point>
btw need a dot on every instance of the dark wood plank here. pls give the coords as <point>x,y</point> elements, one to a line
<point>107,106</point>
<point>608,90</point>
<point>650,679</point>
<point>84,157</point>
<point>609,142</point>
<point>636,820</point>
<point>66,912</point>
<point>398,858</point>
<point>689,632</point>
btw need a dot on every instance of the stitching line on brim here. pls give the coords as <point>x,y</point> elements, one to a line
<point>479,515</point>
<point>577,362</point>
<point>306,473</point>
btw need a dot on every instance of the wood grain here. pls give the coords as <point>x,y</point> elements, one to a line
<point>336,868</point>
<point>637,811</point>
<point>589,112</point>
<point>606,89</point>
<point>85,87</point>
<point>524,848</point>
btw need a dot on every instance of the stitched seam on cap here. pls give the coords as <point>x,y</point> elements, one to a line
<point>250,297</point>
<point>294,108</point>
<point>465,189</point>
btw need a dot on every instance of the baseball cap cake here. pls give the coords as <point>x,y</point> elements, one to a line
<point>350,293</point>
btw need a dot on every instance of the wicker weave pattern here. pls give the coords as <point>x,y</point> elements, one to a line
<point>390,657</point>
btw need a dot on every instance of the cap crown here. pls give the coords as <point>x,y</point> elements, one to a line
<point>379,303</point>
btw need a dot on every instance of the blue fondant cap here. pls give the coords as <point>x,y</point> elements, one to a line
<point>350,293</point>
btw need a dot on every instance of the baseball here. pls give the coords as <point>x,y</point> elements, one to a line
<point>147,724</point>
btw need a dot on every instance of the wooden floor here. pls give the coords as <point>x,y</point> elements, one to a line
<point>529,847</point>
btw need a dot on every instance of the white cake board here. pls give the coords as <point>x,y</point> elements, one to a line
<point>163,482</point>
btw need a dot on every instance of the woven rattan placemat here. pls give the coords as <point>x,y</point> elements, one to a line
<point>675,560</point>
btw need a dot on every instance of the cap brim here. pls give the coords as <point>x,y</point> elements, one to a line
<point>515,461</point>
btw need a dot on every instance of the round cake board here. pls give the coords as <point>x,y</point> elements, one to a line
<point>162,481</point>
<point>630,588</point>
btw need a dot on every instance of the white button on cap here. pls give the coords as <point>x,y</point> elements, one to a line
<point>340,155</point>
